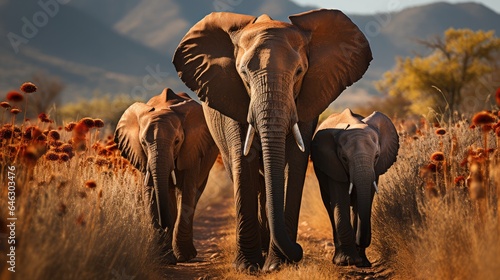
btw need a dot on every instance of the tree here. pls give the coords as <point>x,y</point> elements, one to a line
<point>457,62</point>
<point>47,95</point>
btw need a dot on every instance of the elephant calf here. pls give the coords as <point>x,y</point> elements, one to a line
<point>349,153</point>
<point>168,140</point>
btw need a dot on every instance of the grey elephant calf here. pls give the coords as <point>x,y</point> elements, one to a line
<point>349,153</point>
<point>168,140</point>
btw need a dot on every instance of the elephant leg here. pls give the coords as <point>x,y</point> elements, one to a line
<point>247,182</point>
<point>206,164</point>
<point>183,246</point>
<point>165,234</point>
<point>345,248</point>
<point>325,196</point>
<point>229,136</point>
<point>295,171</point>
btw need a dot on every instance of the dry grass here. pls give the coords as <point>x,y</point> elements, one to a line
<point>76,204</point>
<point>67,231</point>
<point>430,224</point>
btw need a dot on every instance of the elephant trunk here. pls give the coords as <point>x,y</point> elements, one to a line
<point>160,169</point>
<point>273,124</point>
<point>363,176</point>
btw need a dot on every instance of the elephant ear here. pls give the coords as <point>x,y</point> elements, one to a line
<point>166,98</point>
<point>388,138</point>
<point>205,62</point>
<point>127,135</point>
<point>197,137</point>
<point>341,120</point>
<point>324,154</point>
<point>339,55</point>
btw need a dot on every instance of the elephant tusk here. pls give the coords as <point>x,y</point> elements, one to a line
<point>376,187</point>
<point>146,178</point>
<point>248,140</point>
<point>298,137</point>
<point>350,188</point>
<point>174,178</point>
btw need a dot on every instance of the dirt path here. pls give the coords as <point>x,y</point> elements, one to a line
<point>214,230</point>
<point>211,228</point>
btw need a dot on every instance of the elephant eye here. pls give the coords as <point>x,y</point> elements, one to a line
<point>376,158</point>
<point>244,72</point>
<point>299,71</point>
<point>177,141</point>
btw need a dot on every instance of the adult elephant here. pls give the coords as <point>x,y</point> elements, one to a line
<point>349,153</point>
<point>263,84</point>
<point>168,140</point>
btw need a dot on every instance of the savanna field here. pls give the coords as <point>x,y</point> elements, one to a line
<point>76,207</point>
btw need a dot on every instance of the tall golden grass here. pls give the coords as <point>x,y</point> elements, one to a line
<point>437,216</point>
<point>76,203</point>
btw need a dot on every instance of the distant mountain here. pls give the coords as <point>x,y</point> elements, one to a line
<point>162,24</point>
<point>86,54</point>
<point>125,46</point>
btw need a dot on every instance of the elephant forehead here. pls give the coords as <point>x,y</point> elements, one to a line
<point>351,126</point>
<point>164,116</point>
<point>271,32</point>
<point>358,138</point>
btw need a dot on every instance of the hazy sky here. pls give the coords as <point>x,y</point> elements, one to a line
<point>373,6</point>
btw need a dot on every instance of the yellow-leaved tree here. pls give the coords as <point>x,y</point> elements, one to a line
<point>458,70</point>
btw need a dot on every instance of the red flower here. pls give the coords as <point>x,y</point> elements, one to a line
<point>91,184</point>
<point>437,156</point>
<point>28,87</point>
<point>15,111</point>
<point>67,148</point>
<point>44,118</point>
<point>440,131</point>
<point>64,157</point>
<point>52,156</point>
<point>5,105</point>
<point>98,123</point>
<point>70,126</point>
<point>483,117</point>
<point>53,135</point>
<point>88,122</point>
<point>14,96</point>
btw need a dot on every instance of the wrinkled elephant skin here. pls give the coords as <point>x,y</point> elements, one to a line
<point>168,140</point>
<point>349,154</point>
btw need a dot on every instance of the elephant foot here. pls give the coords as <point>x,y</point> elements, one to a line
<point>166,253</point>
<point>248,268</point>
<point>248,265</point>
<point>364,260</point>
<point>346,257</point>
<point>185,252</point>
<point>273,265</point>
<point>274,261</point>
<point>167,257</point>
